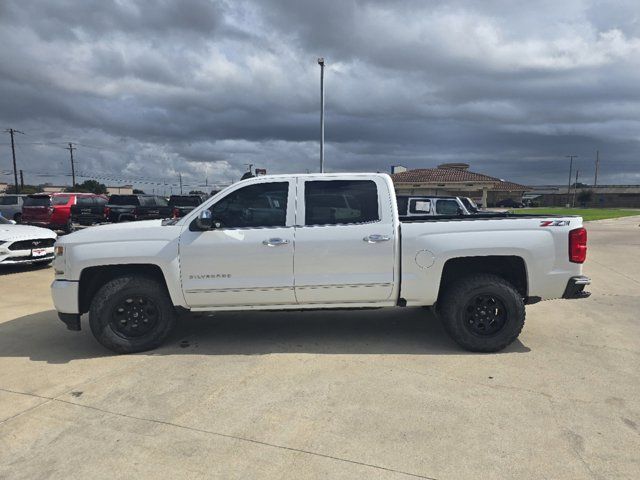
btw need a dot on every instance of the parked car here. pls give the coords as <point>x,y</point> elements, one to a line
<point>11,206</point>
<point>127,208</point>
<point>50,210</point>
<point>296,254</point>
<point>509,203</point>
<point>25,245</point>
<point>421,205</point>
<point>183,204</point>
<point>88,209</point>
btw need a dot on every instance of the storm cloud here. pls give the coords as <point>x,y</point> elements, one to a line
<point>151,89</point>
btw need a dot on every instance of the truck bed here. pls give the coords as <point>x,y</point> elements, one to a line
<point>485,216</point>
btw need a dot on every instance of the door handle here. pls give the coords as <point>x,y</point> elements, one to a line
<point>275,242</point>
<point>375,238</point>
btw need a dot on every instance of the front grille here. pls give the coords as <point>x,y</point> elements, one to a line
<point>29,244</point>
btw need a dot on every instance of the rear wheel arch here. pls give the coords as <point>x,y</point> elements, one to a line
<point>510,268</point>
<point>93,278</point>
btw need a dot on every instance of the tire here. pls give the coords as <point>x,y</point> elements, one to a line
<point>482,313</point>
<point>68,227</point>
<point>140,297</point>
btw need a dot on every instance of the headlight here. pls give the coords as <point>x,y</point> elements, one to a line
<point>58,250</point>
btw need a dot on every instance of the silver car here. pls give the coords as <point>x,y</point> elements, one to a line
<point>11,206</point>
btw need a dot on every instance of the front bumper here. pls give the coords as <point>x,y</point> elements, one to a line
<point>575,288</point>
<point>65,296</point>
<point>25,257</point>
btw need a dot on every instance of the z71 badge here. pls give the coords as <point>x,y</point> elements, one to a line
<point>554,223</point>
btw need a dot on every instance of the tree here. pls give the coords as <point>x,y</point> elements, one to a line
<point>585,196</point>
<point>90,186</point>
<point>196,192</point>
<point>138,191</point>
<point>27,189</point>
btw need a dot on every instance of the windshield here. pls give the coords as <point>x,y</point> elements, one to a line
<point>37,201</point>
<point>8,200</point>
<point>124,200</point>
<point>184,200</point>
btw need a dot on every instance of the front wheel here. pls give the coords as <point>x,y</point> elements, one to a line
<point>482,313</point>
<point>131,314</point>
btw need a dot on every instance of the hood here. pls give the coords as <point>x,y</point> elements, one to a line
<point>127,231</point>
<point>12,233</point>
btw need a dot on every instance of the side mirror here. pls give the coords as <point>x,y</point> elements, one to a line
<point>204,220</point>
<point>460,212</point>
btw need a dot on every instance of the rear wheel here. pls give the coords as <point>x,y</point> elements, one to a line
<point>482,313</point>
<point>68,227</point>
<point>131,314</point>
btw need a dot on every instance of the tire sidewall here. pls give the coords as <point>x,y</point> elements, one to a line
<point>454,315</point>
<point>115,291</point>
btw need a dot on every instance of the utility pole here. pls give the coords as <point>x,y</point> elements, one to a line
<point>71,148</point>
<point>180,177</point>
<point>595,180</point>
<point>12,131</point>
<point>21,180</point>
<point>575,188</point>
<point>571,157</point>
<point>321,63</point>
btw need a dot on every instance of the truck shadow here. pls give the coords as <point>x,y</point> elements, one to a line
<point>13,269</point>
<point>410,331</point>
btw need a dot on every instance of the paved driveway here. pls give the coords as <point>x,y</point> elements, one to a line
<point>369,394</point>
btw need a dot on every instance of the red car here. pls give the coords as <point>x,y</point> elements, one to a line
<point>51,210</point>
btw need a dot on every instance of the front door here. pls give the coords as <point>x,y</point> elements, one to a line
<point>345,243</point>
<point>247,259</point>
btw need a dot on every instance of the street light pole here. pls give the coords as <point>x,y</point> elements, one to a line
<point>321,63</point>
<point>571,157</point>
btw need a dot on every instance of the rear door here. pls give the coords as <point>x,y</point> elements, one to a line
<point>345,245</point>
<point>248,258</point>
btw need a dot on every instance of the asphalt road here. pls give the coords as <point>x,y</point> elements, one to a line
<point>370,394</point>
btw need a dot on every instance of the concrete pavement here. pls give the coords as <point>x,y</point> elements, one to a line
<point>367,394</point>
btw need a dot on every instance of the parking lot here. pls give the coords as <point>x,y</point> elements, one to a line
<point>363,394</point>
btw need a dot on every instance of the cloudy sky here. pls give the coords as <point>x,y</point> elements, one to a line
<point>149,89</point>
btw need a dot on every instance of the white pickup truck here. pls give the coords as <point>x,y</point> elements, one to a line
<point>293,242</point>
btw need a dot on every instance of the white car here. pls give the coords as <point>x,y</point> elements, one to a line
<point>312,249</point>
<point>25,245</point>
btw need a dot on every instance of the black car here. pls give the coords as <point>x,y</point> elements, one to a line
<point>183,204</point>
<point>88,210</point>
<point>126,208</point>
<point>509,203</point>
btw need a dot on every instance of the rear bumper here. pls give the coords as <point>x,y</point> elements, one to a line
<point>575,288</point>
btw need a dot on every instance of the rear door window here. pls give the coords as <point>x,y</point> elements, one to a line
<point>161,201</point>
<point>340,202</point>
<point>420,206</point>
